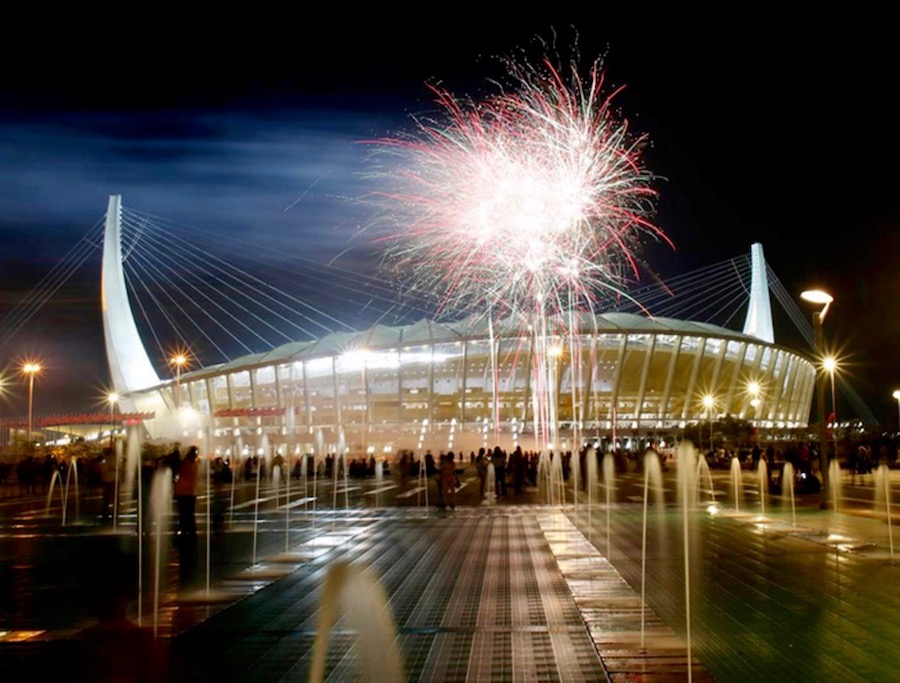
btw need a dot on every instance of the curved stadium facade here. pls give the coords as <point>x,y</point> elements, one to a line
<point>462,385</point>
<point>431,385</point>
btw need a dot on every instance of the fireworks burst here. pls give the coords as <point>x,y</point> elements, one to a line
<point>528,202</point>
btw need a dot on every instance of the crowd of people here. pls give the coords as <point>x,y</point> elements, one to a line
<point>514,471</point>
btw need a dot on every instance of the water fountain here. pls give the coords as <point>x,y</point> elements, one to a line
<point>287,505</point>
<point>259,468</point>
<point>318,457</point>
<point>762,477</point>
<point>704,475</point>
<point>787,488</point>
<point>737,489</point>
<point>209,503</point>
<point>686,464</point>
<point>591,485</point>
<point>276,483</point>
<point>339,467</point>
<point>490,485</point>
<point>236,470</point>
<point>652,473</point>
<point>304,472</point>
<point>609,474</point>
<point>54,480</point>
<point>545,490</point>
<point>557,485</point>
<point>132,460</point>
<point>115,511</point>
<point>883,499</point>
<point>71,474</point>
<point>576,477</point>
<point>160,511</point>
<point>379,482</point>
<point>834,479</point>
<point>362,597</point>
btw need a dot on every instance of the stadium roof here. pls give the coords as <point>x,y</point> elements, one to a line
<point>426,332</point>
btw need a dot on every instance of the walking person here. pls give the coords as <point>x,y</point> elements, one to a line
<point>448,481</point>
<point>499,460</point>
<point>108,481</point>
<point>186,494</point>
<point>481,465</point>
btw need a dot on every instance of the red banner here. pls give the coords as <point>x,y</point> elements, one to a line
<point>104,418</point>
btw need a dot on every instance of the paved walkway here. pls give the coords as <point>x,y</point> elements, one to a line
<point>509,592</point>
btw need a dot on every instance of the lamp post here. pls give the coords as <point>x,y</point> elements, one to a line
<point>753,389</point>
<point>30,369</point>
<point>823,299</point>
<point>708,403</point>
<point>179,360</point>
<point>896,395</point>
<point>112,398</point>
<point>829,364</point>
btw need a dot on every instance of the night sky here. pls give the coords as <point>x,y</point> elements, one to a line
<point>764,129</point>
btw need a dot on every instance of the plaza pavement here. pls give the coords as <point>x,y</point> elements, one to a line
<point>510,591</point>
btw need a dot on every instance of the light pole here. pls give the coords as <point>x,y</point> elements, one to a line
<point>113,399</point>
<point>30,369</point>
<point>829,364</point>
<point>708,403</point>
<point>823,299</point>
<point>896,395</point>
<point>753,389</point>
<point>179,360</point>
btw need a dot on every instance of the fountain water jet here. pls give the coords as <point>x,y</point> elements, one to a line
<point>490,484</point>
<point>736,483</point>
<point>276,483</point>
<point>883,498</point>
<point>132,460</point>
<point>703,474</point>
<point>54,479</point>
<point>834,478</point>
<point>576,477</point>
<point>787,482</point>
<point>160,510</point>
<point>545,489</point>
<point>379,482</point>
<point>609,470</point>
<point>762,475</point>
<point>117,453</point>
<point>72,469</point>
<point>592,483</point>
<point>557,485</point>
<point>652,472</point>
<point>362,597</point>
<point>686,469</point>
<point>287,505</point>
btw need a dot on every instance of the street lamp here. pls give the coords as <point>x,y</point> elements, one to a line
<point>823,299</point>
<point>754,390</point>
<point>829,364</point>
<point>896,395</point>
<point>179,360</point>
<point>31,368</point>
<point>112,398</point>
<point>708,403</point>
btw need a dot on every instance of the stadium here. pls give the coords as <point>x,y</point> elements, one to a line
<point>431,385</point>
<point>463,385</point>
